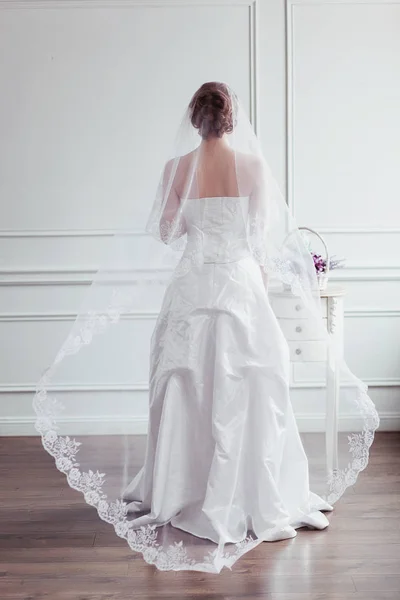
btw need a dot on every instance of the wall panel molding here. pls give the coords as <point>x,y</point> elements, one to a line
<point>88,4</point>
<point>69,316</point>
<point>374,274</point>
<point>371,312</point>
<point>77,276</point>
<point>291,7</point>
<point>30,388</point>
<point>70,276</point>
<point>150,4</point>
<point>96,424</point>
<point>358,230</point>
<point>38,273</point>
<point>357,312</point>
<point>62,233</point>
<point>15,388</point>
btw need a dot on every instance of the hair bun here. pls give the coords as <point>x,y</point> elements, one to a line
<point>211,110</point>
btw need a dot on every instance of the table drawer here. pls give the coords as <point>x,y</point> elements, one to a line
<point>302,329</point>
<point>308,351</point>
<point>291,307</point>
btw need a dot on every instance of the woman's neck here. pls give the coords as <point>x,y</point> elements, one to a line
<point>213,144</point>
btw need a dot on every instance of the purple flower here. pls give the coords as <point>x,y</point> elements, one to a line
<point>320,263</point>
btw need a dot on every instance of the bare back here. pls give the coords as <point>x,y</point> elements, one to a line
<point>215,173</point>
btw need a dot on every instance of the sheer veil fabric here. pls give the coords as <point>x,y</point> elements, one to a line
<point>214,472</point>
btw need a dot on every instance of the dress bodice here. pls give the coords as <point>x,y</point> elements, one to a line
<point>219,226</point>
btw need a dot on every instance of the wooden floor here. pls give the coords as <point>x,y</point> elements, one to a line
<point>54,546</point>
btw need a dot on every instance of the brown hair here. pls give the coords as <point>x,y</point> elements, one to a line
<point>211,110</point>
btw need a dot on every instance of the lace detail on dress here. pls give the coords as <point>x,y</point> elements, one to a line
<point>192,257</point>
<point>173,232</point>
<point>257,241</point>
<point>175,345</point>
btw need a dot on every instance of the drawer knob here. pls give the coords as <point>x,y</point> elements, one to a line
<point>298,307</point>
<point>299,329</point>
<point>298,351</point>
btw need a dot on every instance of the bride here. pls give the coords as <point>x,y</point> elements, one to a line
<point>220,361</point>
<point>224,466</point>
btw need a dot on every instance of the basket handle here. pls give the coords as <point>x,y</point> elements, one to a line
<point>327,257</point>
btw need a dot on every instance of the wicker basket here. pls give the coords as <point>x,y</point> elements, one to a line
<point>322,277</point>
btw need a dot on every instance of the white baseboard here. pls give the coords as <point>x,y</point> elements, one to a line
<point>121,424</point>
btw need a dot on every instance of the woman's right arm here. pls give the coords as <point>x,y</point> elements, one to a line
<point>171,222</point>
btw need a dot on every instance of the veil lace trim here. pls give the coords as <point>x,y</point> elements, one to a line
<point>65,451</point>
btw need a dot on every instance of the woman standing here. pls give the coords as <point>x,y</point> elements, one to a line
<point>224,466</point>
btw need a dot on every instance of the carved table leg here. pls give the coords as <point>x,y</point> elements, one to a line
<point>332,395</point>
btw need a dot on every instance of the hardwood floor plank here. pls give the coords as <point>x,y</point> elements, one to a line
<point>64,555</point>
<point>50,568</point>
<point>377,583</point>
<point>53,540</point>
<point>325,550</point>
<point>54,546</point>
<point>339,522</point>
<point>159,586</point>
<point>317,567</point>
<point>334,596</point>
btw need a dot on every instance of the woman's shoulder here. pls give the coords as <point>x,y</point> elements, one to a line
<point>179,161</point>
<point>251,163</point>
<point>249,158</point>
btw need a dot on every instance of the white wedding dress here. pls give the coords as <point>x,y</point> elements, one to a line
<point>225,468</point>
<point>224,455</point>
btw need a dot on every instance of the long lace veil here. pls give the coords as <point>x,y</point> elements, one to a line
<point>101,370</point>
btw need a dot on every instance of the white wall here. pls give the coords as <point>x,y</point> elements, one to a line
<point>343,126</point>
<point>78,74</point>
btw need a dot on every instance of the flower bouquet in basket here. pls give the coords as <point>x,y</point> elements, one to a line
<point>322,269</point>
<point>323,264</point>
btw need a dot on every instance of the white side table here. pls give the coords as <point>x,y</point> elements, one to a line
<point>307,347</point>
